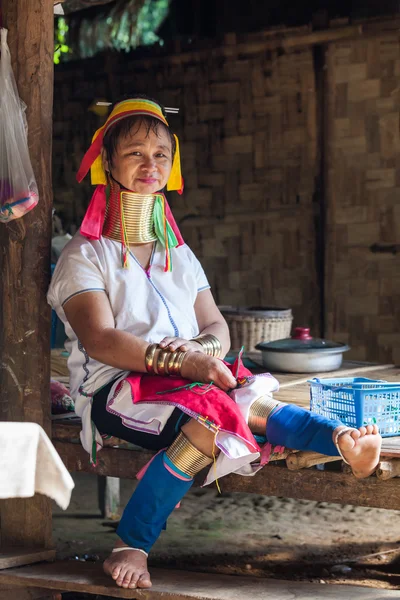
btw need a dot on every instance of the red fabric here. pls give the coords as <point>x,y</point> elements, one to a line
<point>214,404</point>
<point>90,157</point>
<point>93,221</point>
<point>172,222</point>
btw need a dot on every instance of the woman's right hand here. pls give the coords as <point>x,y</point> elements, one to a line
<point>197,366</point>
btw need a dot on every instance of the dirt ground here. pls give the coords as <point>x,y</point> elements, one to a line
<point>249,534</point>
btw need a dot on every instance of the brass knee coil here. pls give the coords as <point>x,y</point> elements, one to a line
<point>186,457</point>
<point>259,412</point>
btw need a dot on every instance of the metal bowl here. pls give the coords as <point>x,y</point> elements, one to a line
<point>302,354</point>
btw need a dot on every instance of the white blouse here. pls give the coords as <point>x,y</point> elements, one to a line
<point>149,304</point>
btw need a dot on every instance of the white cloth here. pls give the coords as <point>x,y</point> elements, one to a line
<point>150,304</point>
<point>143,416</point>
<point>235,455</point>
<point>29,463</point>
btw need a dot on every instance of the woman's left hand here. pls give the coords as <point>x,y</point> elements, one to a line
<point>177,343</point>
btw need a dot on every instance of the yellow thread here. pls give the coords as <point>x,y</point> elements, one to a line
<point>215,462</point>
<point>208,424</point>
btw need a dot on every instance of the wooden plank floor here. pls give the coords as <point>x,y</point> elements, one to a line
<point>179,585</point>
<point>295,389</point>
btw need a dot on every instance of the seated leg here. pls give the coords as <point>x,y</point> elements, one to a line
<point>167,479</point>
<point>291,426</point>
<point>299,429</point>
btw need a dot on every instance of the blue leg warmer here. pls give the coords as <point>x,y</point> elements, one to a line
<point>151,504</point>
<point>300,429</point>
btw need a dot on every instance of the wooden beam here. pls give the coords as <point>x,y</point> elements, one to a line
<point>279,39</point>
<point>168,584</point>
<point>10,593</point>
<point>25,264</point>
<point>273,480</point>
<point>305,460</point>
<point>322,486</point>
<point>15,557</point>
<point>387,469</point>
<point>76,5</point>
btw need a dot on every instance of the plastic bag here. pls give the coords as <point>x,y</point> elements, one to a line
<point>18,189</point>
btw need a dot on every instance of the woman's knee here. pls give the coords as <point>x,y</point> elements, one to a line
<point>201,437</point>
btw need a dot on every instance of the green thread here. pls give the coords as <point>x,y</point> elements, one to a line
<point>188,386</point>
<point>158,219</point>
<point>93,458</point>
<point>85,394</point>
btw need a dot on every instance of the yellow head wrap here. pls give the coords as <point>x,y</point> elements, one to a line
<point>135,106</point>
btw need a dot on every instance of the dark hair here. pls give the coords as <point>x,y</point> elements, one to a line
<point>125,126</point>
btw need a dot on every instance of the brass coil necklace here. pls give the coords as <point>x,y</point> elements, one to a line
<point>135,210</point>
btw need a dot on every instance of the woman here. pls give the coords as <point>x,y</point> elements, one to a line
<point>146,341</point>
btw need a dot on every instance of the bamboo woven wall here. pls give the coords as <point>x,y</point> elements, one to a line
<point>363,196</point>
<point>248,132</point>
<point>252,158</point>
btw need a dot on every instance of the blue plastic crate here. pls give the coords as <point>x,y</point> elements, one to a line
<point>358,401</point>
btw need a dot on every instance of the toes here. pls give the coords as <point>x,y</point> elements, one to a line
<point>369,429</point>
<point>355,434</point>
<point>116,572</point>
<point>144,580</point>
<point>346,442</point>
<point>129,580</point>
<point>133,579</point>
<point>362,430</point>
<point>121,577</point>
<point>133,585</point>
<point>376,430</point>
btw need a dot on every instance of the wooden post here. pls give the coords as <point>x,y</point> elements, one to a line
<point>25,264</point>
<point>108,491</point>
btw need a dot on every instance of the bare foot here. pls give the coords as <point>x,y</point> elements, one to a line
<point>128,568</point>
<point>361,448</point>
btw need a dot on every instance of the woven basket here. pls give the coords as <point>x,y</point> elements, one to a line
<point>249,326</point>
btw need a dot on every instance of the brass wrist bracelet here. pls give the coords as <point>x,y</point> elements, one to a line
<point>180,362</point>
<point>149,357</point>
<point>165,362</point>
<point>179,355</point>
<point>210,344</point>
<point>171,362</point>
<point>162,368</point>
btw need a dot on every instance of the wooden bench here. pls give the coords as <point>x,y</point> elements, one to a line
<point>171,585</point>
<point>287,475</point>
